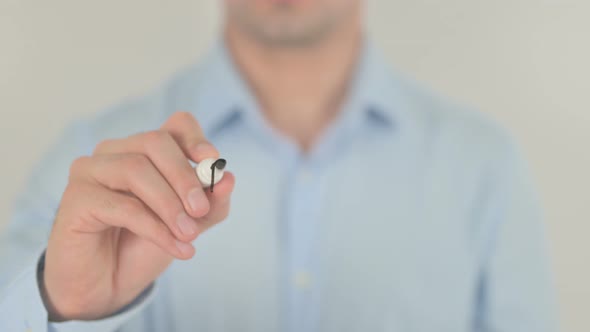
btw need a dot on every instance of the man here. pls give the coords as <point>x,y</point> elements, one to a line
<point>362,204</point>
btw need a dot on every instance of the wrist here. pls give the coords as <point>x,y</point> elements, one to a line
<point>52,313</point>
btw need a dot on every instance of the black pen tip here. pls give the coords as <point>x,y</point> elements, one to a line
<point>220,164</point>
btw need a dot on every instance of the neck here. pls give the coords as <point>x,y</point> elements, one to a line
<point>300,89</point>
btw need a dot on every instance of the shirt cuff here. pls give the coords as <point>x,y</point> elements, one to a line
<point>111,323</point>
<point>22,308</point>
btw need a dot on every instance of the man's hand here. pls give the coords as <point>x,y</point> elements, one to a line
<point>127,212</point>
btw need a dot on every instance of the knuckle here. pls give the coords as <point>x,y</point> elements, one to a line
<point>103,146</point>
<point>98,205</point>
<point>181,116</point>
<point>73,191</point>
<point>79,165</point>
<point>156,137</point>
<point>137,163</point>
<point>157,140</point>
<point>76,205</point>
<point>75,188</point>
<point>96,210</point>
<point>129,207</point>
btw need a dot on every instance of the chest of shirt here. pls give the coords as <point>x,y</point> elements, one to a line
<point>384,248</point>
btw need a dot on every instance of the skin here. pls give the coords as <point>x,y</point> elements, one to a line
<point>127,212</point>
<point>135,205</point>
<point>298,57</point>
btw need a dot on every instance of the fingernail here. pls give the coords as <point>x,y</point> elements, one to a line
<point>186,224</point>
<point>198,201</point>
<point>184,248</point>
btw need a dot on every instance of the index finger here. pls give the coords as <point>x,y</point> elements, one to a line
<point>189,136</point>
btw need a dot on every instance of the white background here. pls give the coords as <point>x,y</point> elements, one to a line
<point>524,61</point>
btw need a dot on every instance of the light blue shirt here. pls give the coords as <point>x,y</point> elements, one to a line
<point>410,214</point>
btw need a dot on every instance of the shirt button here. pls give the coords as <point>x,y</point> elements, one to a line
<point>302,280</point>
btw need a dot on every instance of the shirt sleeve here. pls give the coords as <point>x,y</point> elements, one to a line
<point>516,288</point>
<point>22,243</point>
<point>22,309</point>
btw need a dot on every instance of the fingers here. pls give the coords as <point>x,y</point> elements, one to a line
<point>169,159</point>
<point>120,210</point>
<point>220,202</point>
<point>154,167</point>
<point>187,132</point>
<point>135,173</point>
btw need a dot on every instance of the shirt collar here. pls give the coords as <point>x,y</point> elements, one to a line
<point>223,96</point>
<point>373,93</point>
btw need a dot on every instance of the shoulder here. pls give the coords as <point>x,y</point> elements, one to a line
<point>460,131</point>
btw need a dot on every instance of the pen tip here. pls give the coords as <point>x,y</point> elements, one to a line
<point>220,164</point>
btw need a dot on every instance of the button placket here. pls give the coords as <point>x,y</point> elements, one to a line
<point>302,228</point>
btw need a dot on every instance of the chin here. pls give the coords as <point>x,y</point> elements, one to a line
<point>288,22</point>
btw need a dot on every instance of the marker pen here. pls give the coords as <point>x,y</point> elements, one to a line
<point>210,171</point>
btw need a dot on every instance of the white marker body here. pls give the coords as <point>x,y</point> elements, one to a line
<point>203,170</point>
